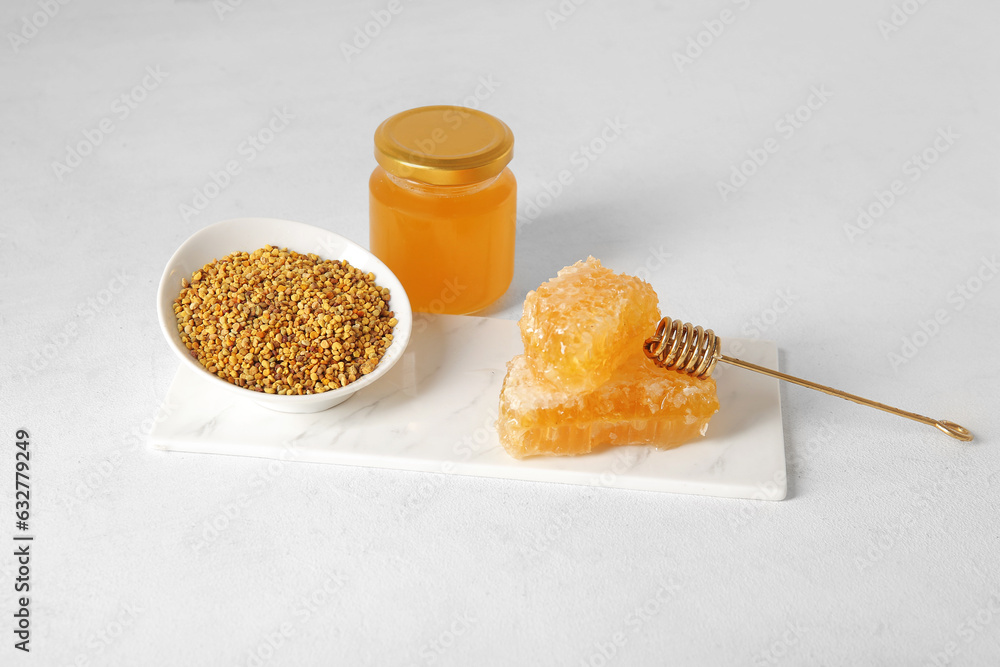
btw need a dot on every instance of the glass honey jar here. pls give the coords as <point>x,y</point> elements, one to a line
<point>443,206</point>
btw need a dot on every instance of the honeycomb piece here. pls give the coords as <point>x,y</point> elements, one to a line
<point>579,326</point>
<point>640,404</point>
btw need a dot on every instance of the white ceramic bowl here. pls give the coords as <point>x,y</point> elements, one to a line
<point>248,234</point>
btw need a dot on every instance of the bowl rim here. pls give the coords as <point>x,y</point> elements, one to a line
<point>401,332</point>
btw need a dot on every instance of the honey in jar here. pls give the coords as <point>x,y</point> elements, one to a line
<point>443,206</point>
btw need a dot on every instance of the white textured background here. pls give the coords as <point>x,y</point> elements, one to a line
<point>885,551</point>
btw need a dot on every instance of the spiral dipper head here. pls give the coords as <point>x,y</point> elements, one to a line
<point>684,347</point>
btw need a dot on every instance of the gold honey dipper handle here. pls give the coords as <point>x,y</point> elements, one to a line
<point>686,348</point>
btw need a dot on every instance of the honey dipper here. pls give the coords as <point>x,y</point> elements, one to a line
<point>686,348</point>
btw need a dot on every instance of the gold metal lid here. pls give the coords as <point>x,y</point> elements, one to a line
<point>444,145</point>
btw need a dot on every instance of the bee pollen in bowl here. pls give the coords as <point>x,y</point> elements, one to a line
<point>279,322</point>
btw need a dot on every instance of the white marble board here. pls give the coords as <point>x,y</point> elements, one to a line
<point>435,412</point>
